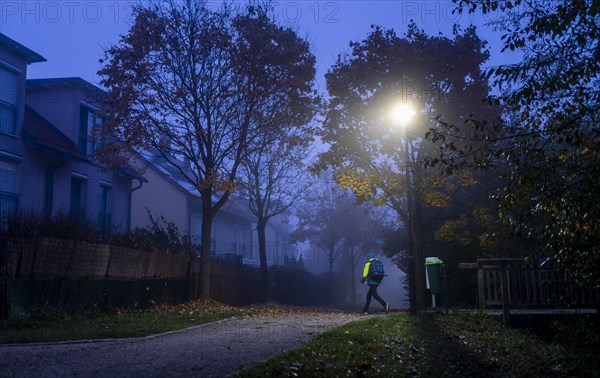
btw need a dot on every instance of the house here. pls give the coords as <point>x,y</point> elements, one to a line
<point>46,146</point>
<point>170,196</point>
<point>47,166</point>
<point>279,244</point>
<point>233,237</point>
<point>14,59</point>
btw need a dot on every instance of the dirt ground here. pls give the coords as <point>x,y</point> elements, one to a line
<point>209,350</point>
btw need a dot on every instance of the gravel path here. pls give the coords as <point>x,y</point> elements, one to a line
<point>209,350</point>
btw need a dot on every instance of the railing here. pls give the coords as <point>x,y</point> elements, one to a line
<point>514,284</point>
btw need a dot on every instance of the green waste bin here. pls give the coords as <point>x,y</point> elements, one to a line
<point>433,267</point>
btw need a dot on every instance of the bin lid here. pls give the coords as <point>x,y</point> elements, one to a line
<point>433,261</point>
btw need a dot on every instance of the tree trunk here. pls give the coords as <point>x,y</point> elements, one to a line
<point>261,227</point>
<point>353,284</point>
<point>330,283</point>
<point>207,218</point>
<point>353,274</point>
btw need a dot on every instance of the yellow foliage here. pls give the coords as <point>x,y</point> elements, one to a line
<point>465,178</point>
<point>488,242</point>
<point>380,200</point>
<point>361,184</point>
<point>436,199</point>
<point>459,179</point>
<point>484,218</point>
<point>455,230</point>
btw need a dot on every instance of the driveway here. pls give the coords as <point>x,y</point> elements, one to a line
<point>209,350</point>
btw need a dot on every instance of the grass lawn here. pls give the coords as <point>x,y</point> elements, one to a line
<point>55,326</point>
<point>463,344</point>
<point>433,345</point>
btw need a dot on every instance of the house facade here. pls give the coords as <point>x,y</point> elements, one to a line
<point>234,236</point>
<point>47,166</point>
<point>171,197</point>
<point>78,184</point>
<point>14,168</point>
<point>47,146</point>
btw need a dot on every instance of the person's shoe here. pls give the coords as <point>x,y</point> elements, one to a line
<point>364,313</point>
<point>387,308</point>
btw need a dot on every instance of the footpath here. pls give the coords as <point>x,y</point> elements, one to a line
<point>209,350</point>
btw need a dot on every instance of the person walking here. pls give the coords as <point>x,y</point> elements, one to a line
<point>372,275</point>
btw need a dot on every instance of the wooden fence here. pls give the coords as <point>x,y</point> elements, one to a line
<point>510,283</point>
<point>78,275</point>
<point>52,259</point>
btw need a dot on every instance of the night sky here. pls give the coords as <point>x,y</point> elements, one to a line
<point>72,35</point>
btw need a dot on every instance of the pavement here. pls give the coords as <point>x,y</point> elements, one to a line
<point>210,350</point>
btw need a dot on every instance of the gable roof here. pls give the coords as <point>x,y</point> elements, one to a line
<point>66,81</point>
<point>235,206</point>
<point>38,131</point>
<point>131,171</point>
<point>239,207</point>
<point>10,45</point>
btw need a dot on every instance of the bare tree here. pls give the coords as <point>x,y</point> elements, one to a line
<point>276,180</point>
<point>202,87</point>
<point>363,233</point>
<point>322,221</point>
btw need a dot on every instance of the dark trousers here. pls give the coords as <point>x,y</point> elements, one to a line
<point>373,293</point>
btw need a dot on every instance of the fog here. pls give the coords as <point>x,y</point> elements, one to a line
<point>391,289</point>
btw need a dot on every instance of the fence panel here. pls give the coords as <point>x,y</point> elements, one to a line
<point>529,285</point>
<point>52,257</point>
<point>125,264</point>
<point>76,275</point>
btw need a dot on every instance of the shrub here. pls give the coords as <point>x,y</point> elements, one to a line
<point>160,235</point>
<point>61,226</point>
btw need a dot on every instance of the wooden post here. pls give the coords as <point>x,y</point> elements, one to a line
<point>505,299</point>
<point>3,293</point>
<point>481,287</point>
<point>446,299</point>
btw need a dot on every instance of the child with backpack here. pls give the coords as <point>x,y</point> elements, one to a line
<point>372,275</point>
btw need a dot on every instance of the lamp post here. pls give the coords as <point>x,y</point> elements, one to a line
<point>403,114</point>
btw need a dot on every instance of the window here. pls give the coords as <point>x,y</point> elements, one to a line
<point>104,212</point>
<point>8,190</point>
<point>89,122</point>
<point>237,241</point>
<point>78,192</point>
<point>8,101</point>
<point>242,241</point>
<point>233,240</point>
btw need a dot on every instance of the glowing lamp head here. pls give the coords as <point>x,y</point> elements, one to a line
<point>403,113</point>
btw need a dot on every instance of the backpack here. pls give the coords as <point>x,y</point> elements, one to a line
<point>376,272</point>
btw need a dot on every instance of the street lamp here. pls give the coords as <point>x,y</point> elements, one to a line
<point>403,113</point>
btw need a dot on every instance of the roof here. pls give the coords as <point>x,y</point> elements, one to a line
<point>234,205</point>
<point>15,47</point>
<point>68,81</point>
<point>239,207</point>
<point>131,171</point>
<point>280,224</point>
<point>38,131</point>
